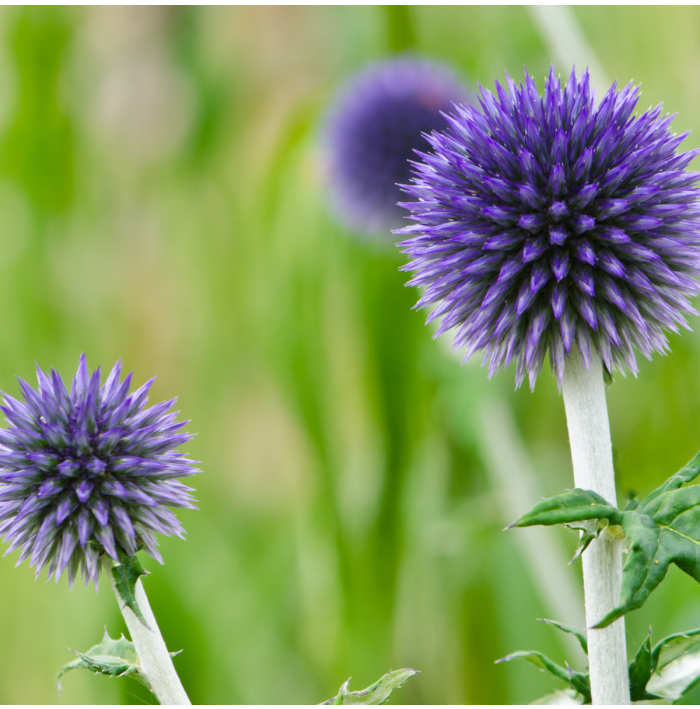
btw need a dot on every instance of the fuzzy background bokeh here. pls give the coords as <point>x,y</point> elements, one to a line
<point>163,200</point>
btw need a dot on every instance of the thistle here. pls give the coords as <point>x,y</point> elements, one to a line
<point>372,129</point>
<point>86,476</point>
<point>552,225</point>
<point>89,473</point>
<point>548,224</point>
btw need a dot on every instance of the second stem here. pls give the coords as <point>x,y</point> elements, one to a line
<point>591,453</point>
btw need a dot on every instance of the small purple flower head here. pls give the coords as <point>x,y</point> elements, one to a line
<point>372,130</point>
<point>546,223</point>
<point>89,473</point>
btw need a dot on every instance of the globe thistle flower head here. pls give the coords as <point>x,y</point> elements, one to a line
<point>89,473</point>
<point>372,129</point>
<point>546,223</point>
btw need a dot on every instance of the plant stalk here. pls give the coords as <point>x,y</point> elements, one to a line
<point>591,453</point>
<point>156,662</point>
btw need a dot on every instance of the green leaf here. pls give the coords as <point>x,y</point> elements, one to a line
<point>376,693</point>
<point>662,529</point>
<point>568,629</point>
<point>112,657</point>
<point>578,681</point>
<point>573,506</point>
<point>640,671</point>
<point>664,672</point>
<point>673,646</point>
<point>539,660</point>
<point>562,696</point>
<point>589,531</point>
<point>686,474</point>
<point>675,671</point>
<point>673,680</point>
<point>125,573</point>
<point>631,504</point>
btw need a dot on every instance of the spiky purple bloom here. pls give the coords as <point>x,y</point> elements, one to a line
<point>89,473</point>
<point>546,223</point>
<point>373,127</point>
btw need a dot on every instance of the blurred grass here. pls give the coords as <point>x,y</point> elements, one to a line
<point>162,200</point>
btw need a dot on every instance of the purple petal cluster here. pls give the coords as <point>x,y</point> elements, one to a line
<point>546,223</point>
<point>373,127</point>
<point>89,473</point>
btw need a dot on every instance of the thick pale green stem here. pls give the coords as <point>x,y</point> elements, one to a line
<point>155,660</point>
<point>591,454</point>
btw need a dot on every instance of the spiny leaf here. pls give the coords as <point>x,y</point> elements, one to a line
<point>662,673</point>
<point>568,629</point>
<point>112,657</point>
<point>562,696</point>
<point>376,693</point>
<point>640,671</point>
<point>673,646</point>
<point>578,681</point>
<point>631,504</point>
<point>573,506</point>
<point>125,574</point>
<point>686,474</point>
<point>676,678</point>
<point>674,670</point>
<point>539,660</point>
<point>662,529</point>
<point>589,531</point>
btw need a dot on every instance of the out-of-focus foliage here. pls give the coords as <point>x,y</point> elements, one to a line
<point>162,200</point>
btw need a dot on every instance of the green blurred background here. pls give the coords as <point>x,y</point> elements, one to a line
<point>162,200</point>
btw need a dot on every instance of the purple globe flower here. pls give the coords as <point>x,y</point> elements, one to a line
<point>546,223</point>
<point>90,473</point>
<point>372,130</point>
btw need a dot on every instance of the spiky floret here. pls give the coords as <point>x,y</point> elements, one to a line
<point>372,129</point>
<point>90,473</point>
<point>546,223</point>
